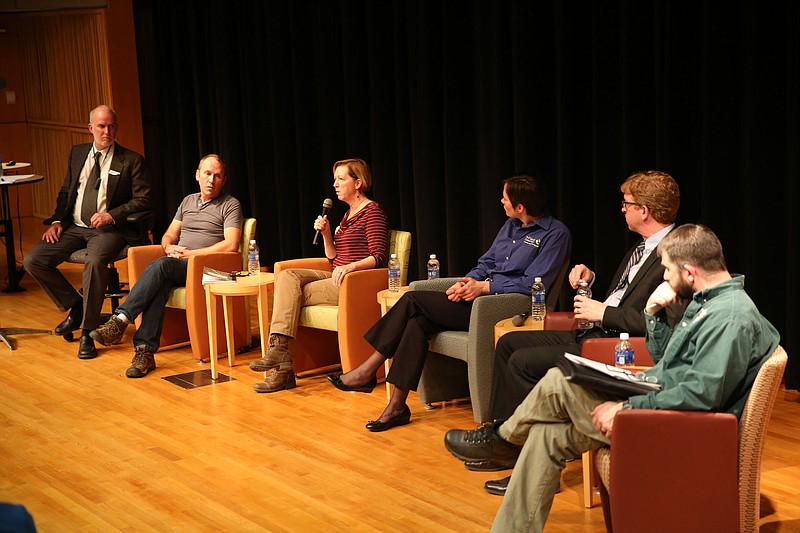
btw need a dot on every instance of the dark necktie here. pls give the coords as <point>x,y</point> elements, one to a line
<point>636,256</point>
<point>89,206</point>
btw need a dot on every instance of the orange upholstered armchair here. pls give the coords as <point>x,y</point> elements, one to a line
<point>689,471</point>
<point>329,334</point>
<point>185,318</point>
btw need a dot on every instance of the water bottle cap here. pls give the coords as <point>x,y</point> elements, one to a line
<point>624,336</point>
<point>433,256</point>
<point>537,279</point>
<point>394,256</point>
<point>252,241</point>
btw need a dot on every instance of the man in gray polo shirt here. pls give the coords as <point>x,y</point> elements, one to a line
<point>208,222</point>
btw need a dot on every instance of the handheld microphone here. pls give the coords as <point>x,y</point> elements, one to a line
<point>327,203</point>
<point>519,320</point>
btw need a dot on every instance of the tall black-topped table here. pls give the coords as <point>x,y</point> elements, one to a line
<point>9,180</point>
<point>6,182</point>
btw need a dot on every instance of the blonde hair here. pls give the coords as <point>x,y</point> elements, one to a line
<point>358,169</point>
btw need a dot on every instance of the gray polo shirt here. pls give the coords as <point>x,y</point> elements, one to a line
<point>203,224</point>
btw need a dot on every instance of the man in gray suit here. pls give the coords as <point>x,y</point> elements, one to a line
<point>105,183</point>
<point>650,203</point>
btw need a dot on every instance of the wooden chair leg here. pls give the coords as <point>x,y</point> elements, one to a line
<point>588,479</point>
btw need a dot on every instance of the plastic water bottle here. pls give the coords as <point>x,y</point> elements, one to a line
<point>433,267</point>
<point>538,300</point>
<point>253,264</point>
<point>584,290</point>
<point>394,274</point>
<point>623,351</point>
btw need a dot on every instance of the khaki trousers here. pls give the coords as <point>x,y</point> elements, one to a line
<point>295,288</point>
<point>553,424</point>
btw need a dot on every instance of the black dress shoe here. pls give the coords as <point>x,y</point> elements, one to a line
<point>86,350</point>
<point>336,379</point>
<point>497,486</point>
<point>398,420</point>
<point>490,465</point>
<point>481,444</point>
<point>71,323</point>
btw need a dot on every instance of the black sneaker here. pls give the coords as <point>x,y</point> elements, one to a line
<point>481,444</point>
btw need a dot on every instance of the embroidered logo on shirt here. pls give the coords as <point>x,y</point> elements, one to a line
<point>532,241</point>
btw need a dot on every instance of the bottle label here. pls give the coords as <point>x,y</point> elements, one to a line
<point>394,273</point>
<point>252,257</point>
<point>433,273</point>
<point>538,299</point>
<point>624,357</point>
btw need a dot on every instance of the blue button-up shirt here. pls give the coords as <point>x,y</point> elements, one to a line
<point>521,253</point>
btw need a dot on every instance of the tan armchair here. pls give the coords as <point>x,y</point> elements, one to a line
<point>185,317</point>
<point>461,363</point>
<point>689,471</point>
<point>330,334</point>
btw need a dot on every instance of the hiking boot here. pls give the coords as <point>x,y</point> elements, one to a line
<point>111,332</point>
<point>280,350</point>
<point>279,379</point>
<point>143,362</point>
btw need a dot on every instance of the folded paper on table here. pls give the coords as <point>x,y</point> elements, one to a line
<point>15,178</point>
<point>212,276</point>
<point>604,379</point>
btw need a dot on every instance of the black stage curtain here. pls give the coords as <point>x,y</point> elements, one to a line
<point>446,98</point>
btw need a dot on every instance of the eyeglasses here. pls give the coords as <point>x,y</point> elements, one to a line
<point>625,204</point>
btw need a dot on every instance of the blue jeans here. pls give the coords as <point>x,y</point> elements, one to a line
<point>149,298</point>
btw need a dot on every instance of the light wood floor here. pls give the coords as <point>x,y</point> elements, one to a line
<point>86,449</point>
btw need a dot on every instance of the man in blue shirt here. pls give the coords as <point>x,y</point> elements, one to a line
<point>530,244</point>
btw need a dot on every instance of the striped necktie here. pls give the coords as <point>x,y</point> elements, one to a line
<point>89,205</point>
<point>636,256</point>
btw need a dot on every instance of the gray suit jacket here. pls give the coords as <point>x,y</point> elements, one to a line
<point>128,189</point>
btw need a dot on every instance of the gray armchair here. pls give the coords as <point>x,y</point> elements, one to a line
<point>460,364</point>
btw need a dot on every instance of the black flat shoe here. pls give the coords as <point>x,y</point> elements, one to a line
<point>69,324</point>
<point>398,420</point>
<point>336,380</point>
<point>86,350</point>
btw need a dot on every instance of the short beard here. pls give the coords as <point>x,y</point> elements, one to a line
<point>684,291</point>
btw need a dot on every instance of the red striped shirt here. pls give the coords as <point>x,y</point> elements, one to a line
<point>367,233</point>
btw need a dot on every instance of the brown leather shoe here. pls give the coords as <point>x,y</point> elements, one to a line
<point>111,332</point>
<point>279,350</point>
<point>279,379</point>
<point>143,362</point>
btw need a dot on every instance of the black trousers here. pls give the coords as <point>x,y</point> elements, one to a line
<point>522,358</point>
<point>403,333</point>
